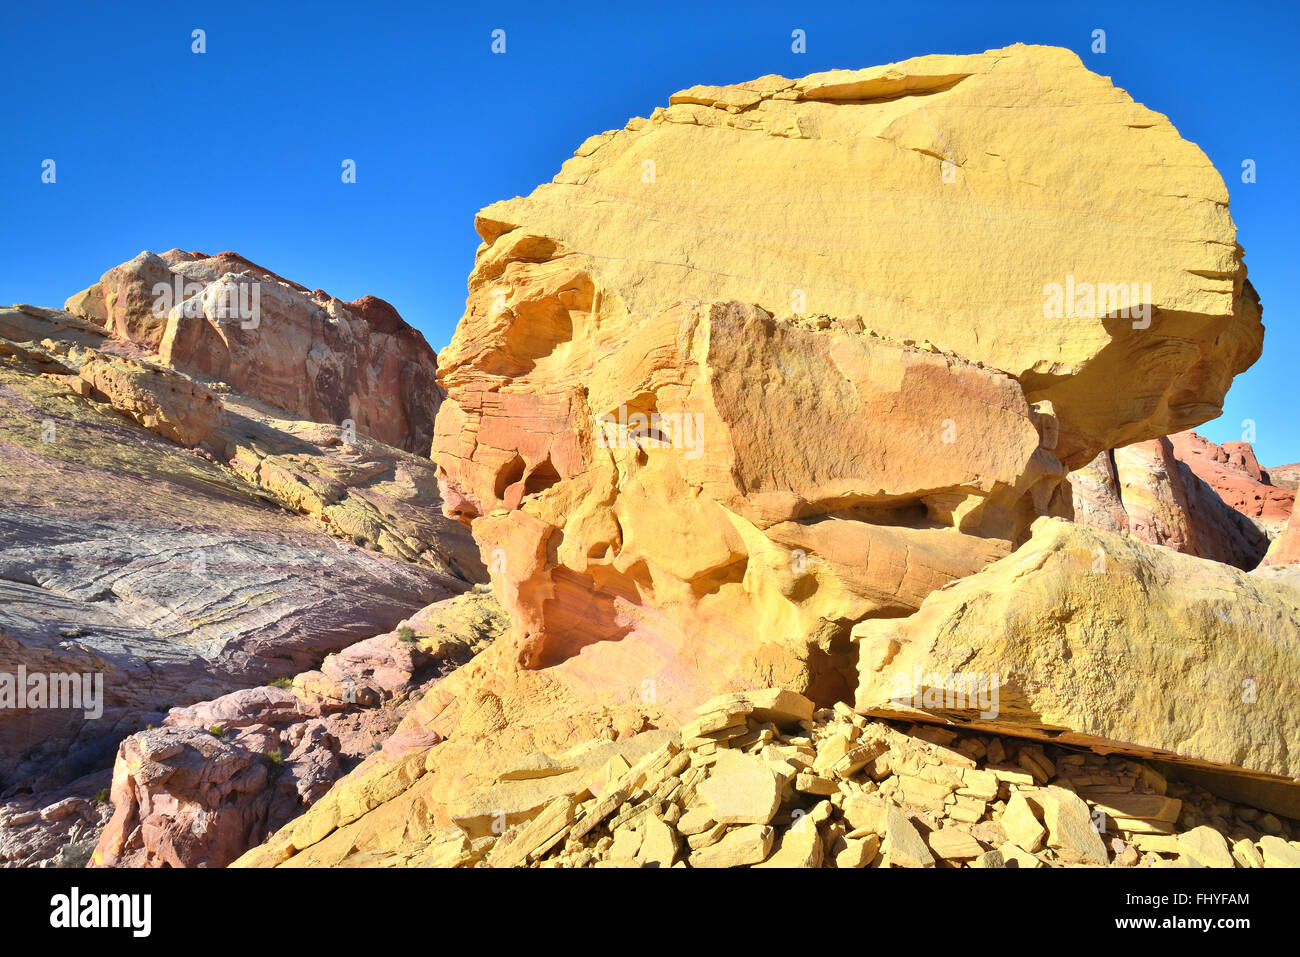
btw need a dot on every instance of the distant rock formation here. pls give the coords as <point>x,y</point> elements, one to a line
<point>181,542</point>
<point>1144,490</point>
<point>306,352</point>
<point>1231,470</point>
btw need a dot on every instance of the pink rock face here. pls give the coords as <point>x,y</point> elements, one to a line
<point>220,776</point>
<point>308,353</point>
<point>1231,470</point>
<point>1143,490</point>
<point>1285,550</point>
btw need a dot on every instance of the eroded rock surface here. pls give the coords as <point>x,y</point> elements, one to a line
<point>712,401</point>
<point>303,351</point>
<point>833,192</point>
<point>219,777</point>
<point>1091,639</point>
<point>1145,491</point>
<point>1234,474</point>
<point>176,577</point>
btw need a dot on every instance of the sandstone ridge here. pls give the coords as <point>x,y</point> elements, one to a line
<point>312,355</point>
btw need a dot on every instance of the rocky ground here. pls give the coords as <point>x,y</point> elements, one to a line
<point>760,779</point>
<point>184,540</point>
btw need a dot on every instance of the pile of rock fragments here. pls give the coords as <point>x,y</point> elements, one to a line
<point>762,779</point>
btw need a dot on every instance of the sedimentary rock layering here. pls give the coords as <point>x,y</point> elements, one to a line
<point>217,778</point>
<point>183,540</point>
<point>1146,491</point>
<point>715,397</point>
<point>303,351</point>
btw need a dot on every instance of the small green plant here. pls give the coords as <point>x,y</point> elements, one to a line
<point>405,633</point>
<point>217,731</point>
<point>101,796</point>
<point>359,541</point>
<point>275,758</point>
<point>282,683</point>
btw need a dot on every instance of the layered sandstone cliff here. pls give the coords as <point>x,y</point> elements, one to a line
<point>305,352</point>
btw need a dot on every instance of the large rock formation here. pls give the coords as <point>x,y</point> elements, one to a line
<point>1145,491</point>
<point>1086,638</point>
<point>960,200</point>
<point>1235,476</point>
<point>714,398</point>
<point>181,574</point>
<point>306,352</point>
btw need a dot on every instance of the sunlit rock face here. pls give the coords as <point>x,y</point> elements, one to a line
<point>1147,491</point>
<point>303,351</point>
<point>794,353</point>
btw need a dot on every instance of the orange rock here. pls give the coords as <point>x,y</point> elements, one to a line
<point>1285,549</point>
<point>648,514</point>
<point>1143,490</point>
<point>1231,470</point>
<point>675,485</point>
<point>308,353</point>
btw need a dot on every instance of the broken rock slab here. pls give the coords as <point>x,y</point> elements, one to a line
<point>1106,642</point>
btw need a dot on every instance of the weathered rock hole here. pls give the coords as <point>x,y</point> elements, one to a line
<point>541,478</point>
<point>510,475</point>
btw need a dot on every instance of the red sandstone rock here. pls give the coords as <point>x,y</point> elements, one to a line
<point>308,353</point>
<point>1231,470</point>
<point>1143,490</point>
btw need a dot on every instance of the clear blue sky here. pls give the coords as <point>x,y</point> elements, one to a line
<point>240,148</point>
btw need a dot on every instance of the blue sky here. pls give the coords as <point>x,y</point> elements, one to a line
<point>240,148</point>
